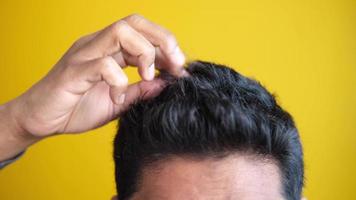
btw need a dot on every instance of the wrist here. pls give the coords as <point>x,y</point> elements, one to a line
<point>13,137</point>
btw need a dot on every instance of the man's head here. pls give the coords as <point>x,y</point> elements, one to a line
<point>213,135</point>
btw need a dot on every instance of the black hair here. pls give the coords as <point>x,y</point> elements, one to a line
<point>214,111</point>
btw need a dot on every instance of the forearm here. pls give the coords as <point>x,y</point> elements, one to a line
<point>13,138</point>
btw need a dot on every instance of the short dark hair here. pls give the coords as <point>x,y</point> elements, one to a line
<point>214,111</point>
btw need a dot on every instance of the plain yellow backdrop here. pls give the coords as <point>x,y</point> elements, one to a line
<point>303,51</point>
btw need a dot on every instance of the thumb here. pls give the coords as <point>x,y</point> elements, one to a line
<point>141,90</point>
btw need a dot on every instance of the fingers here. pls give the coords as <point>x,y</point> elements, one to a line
<point>141,90</point>
<point>171,55</point>
<point>105,69</point>
<point>144,89</point>
<point>120,37</point>
<point>135,41</point>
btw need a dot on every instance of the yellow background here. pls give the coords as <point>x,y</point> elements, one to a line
<point>304,51</point>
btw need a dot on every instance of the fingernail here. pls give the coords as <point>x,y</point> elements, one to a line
<point>121,99</point>
<point>151,72</point>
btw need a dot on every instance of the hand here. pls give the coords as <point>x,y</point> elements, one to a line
<point>87,87</point>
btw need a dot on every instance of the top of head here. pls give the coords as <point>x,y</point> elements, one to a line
<point>212,113</point>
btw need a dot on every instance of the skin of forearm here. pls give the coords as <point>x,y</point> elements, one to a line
<point>13,138</point>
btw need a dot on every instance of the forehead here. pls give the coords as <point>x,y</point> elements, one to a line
<point>232,177</point>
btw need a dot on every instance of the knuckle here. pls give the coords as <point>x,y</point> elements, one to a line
<point>134,18</point>
<point>148,54</point>
<point>105,63</point>
<point>108,66</point>
<point>80,39</point>
<point>149,51</point>
<point>169,36</point>
<point>77,42</point>
<point>116,30</point>
<point>117,27</point>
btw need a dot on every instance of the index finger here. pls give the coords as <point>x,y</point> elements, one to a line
<point>163,39</point>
